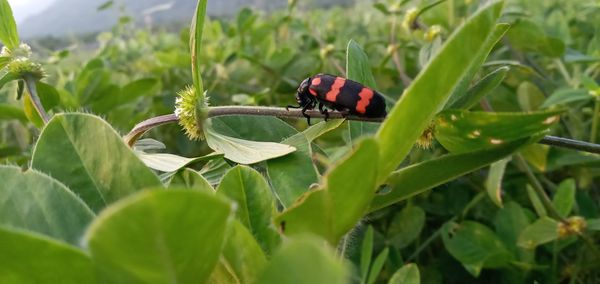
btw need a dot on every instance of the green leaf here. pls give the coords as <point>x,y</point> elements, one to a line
<point>478,58</point>
<point>536,202</point>
<point>159,236</point>
<point>593,224</point>
<point>475,246</point>
<point>406,226</point>
<point>11,112</point>
<point>8,27</point>
<point>4,60</point>
<point>566,96</point>
<point>530,97</point>
<point>263,128</point>
<point>87,155</point>
<point>564,198</point>
<point>407,274</point>
<point>171,163</point>
<point>138,88</point>
<point>36,202</point>
<point>542,231</point>
<point>191,179</point>
<point>366,253</point>
<point>48,95</point>
<point>509,222</point>
<point>418,178</point>
<point>536,155</point>
<point>106,5</point>
<point>358,69</point>
<point>289,187</point>
<point>305,260</point>
<point>245,151</point>
<point>255,203</point>
<point>493,183</point>
<point>9,76</point>
<point>242,257</point>
<point>461,131</point>
<point>27,258</point>
<point>481,89</point>
<point>332,211</point>
<point>526,35</point>
<point>431,89</point>
<point>377,266</point>
<point>196,32</point>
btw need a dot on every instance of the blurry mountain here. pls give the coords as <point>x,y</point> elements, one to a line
<point>74,17</point>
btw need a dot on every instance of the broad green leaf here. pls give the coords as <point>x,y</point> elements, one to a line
<point>255,128</point>
<point>493,183</point>
<point>542,231</point>
<point>36,202</point>
<point>407,274</point>
<point>255,203</point>
<point>87,155</point>
<point>478,58</point>
<point>536,202</point>
<point>289,187</point>
<point>332,211</point>
<point>242,257</point>
<point>28,258</point>
<point>418,178</point>
<point>171,163</point>
<point>196,33</point>
<point>138,88</point>
<point>305,260</point>
<point>159,236</point>
<point>245,151</point>
<point>11,112</point>
<point>564,198</point>
<point>566,96</point>
<point>48,95</point>
<point>481,89</point>
<point>525,35</point>
<point>8,27</point>
<point>4,60</point>
<point>377,266</point>
<point>432,88</point>
<point>366,253</point>
<point>475,246</point>
<point>509,222</point>
<point>106,5</point>
<point>529,96</point>
<point>9,76</point>
<point>462,131</point>
<point>358,69</point>
<point>536,155</point>
<point>191,179</point>
<point>406,226</point>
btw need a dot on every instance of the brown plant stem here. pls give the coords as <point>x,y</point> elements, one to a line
<point>146,125</point>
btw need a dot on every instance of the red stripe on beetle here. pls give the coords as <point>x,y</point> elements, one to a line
<point>316,81</point>
<point>312,91</point>
<point>365,95</point>
<point>335,89</point>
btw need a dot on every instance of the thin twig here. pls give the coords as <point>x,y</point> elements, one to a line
<point>144,126</point>
<point>35,98</point>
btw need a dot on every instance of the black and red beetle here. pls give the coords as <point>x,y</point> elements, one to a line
<point>340,94</point>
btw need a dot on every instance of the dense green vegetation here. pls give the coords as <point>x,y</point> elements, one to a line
<point>452,187</point>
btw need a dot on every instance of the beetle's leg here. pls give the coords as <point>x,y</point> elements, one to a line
<point>291,106</point>
<point>304,109</point>
<point>323,111</point>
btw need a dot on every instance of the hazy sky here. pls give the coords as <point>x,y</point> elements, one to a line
<point>24,8</point>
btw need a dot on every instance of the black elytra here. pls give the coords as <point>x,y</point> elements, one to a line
<point>338,93</point>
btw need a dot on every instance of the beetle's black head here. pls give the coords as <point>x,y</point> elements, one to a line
<point>303,95</point>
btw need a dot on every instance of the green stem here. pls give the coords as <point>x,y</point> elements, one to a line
<point>563,71</point>
<point>595,121</point>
